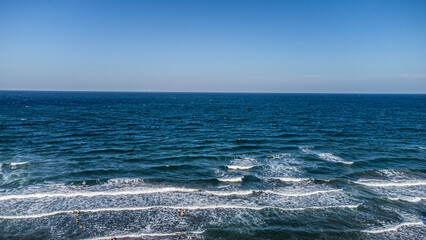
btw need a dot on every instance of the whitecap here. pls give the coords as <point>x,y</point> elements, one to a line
<point>279,156</point>
<point>160,190</point>
<point>332,158</point>
<point>409,199</point>
<point>125,180</point>
<point>140,235</point>
<point>100,193</point>
<point>236,167</point>
<point>237,179</point>
<point>301,194</point>
<point>291,179</point>
<point>208,207</point>
<point>13,164</point>
<point>400,183</point>
<point>306,149</point>
<point>394,228</point>
<point>324,156</point>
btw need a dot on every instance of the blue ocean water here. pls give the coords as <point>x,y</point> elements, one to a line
<point>243,166</point>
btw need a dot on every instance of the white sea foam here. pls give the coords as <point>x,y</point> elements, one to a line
<point>409,199</point>
<point>140,235</point>
<point>231,193</point>
<point>127,209</point>
<point>18,163</point>
<point>325,156</point>
<point>280,156</point>
<point>159,190</point>
<point>237,179</point>
<point>236,167</point>
<point>40,215</point>
<point>125,180</point>
<point>332,158</point>
<point>290,179</point>
<point>400,183</point>
<point>302,194</point>
<point>100,193</point>
<point>394,228</point>
<point>306,149</point>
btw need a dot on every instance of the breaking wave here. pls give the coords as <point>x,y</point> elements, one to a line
<point>394,228</point>
<point>255,208</point>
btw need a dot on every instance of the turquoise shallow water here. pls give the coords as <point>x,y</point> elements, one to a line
<point>244,166</point>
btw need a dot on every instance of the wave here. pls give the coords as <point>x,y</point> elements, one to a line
<point>302,194</point>
<point>279,156</point>
<point>332,158</point>
<point>290,179</point>
<point>160,190</point>
<point>236,167</point>
<point>409,199</point>
<point>125,180</point>
<point>103,193</point>
<point>41,215</point>
<point>402,183</point>
<point>394,228</point>
<point>237,179</point>
<point>13,164</point>
<point>140,235</point>
<point>325,156</point>
<point>258,208</point>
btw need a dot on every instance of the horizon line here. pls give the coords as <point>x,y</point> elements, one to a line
<point>249,92</point>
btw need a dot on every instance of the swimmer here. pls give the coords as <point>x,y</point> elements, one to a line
<point>181,212</point>
<point>78,212</point>
<point>81,226</point>
<point>72,211</point>
<point>76,220</point>
<point>113,238</point>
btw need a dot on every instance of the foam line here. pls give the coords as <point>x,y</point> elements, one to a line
<point>232,193</point>
<point>236,167</point>
<point>289,179</point>
<point>161,190</point>
<point>302,194</point>
<point>17,163</point>
<point>41,215</point>
<point>103,193</point>
<point>237,179</point>
<point>332,158</point>
<point>392,184</point>
<point>394,228</point>
<point>139,235</point>
<point>408,199</point>
<point>176,207</point>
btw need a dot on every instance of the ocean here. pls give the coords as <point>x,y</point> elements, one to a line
<point>243,166</point>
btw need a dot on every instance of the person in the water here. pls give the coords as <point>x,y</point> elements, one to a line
<point>181,212</point>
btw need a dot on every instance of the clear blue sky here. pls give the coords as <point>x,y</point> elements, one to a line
<point>236,46</point>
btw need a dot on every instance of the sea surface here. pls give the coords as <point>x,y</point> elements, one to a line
<point>243,166</point>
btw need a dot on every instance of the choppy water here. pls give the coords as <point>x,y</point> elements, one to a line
<point>244,166</point>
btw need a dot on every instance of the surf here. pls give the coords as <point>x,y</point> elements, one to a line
<point>193,208</point>
<point>393,228</point>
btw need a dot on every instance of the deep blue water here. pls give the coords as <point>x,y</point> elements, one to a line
<point>244,166</point>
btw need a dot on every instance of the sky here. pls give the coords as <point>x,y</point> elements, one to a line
<point>298,46</point>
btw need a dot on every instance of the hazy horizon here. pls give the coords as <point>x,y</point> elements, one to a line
<point>214,46</point>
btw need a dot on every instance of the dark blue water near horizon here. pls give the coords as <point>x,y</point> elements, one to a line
<point>244,166</point>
